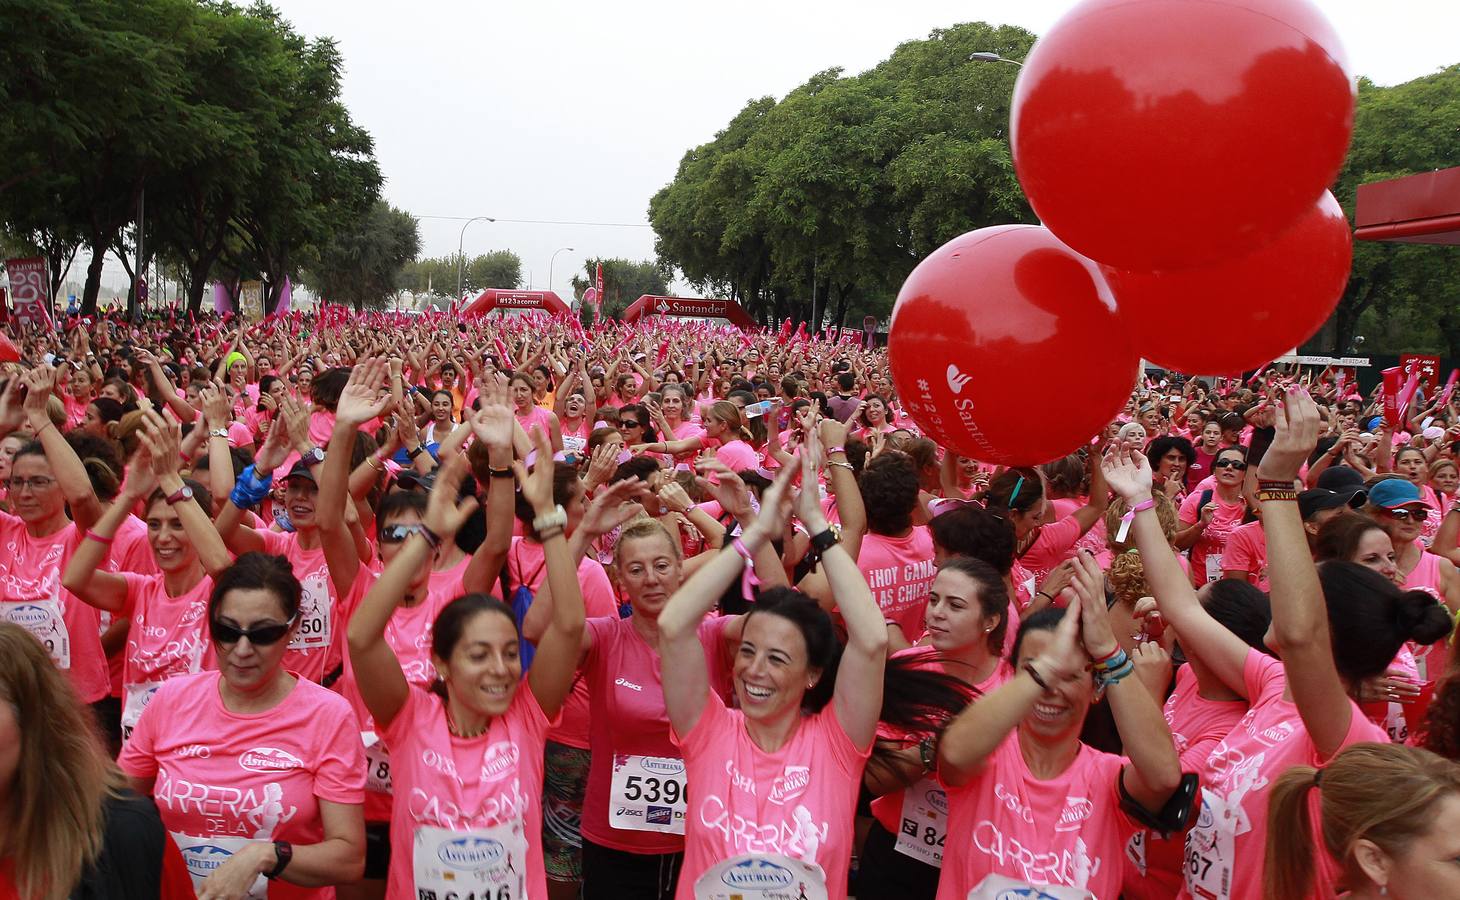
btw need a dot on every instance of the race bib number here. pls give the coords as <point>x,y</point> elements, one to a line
<point>482,864</point>
<point>1135,851</point>
<point>43,619</point>
<point>647,794</point>
<point>761,876</point>
<point>203,856</point>
<point>377,763</point>
<point>1002,887</point>
<point>133,702</point>
<point>313,632</point>
<point>924,825</point>
<point>1214,566</point>
<point>1210,849</point>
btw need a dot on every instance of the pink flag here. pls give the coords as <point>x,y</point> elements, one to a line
<point>1449,387</point>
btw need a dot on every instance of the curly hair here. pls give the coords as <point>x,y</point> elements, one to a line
<point>1165,514</point>
<point>890,490</point>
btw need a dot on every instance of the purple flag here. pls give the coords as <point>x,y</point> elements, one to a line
<point>221,303</point>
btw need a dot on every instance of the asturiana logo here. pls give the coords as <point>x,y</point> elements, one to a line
<point>757,874</point>
<point>937,800</point>
<point>471,852</point>
<point>790,785</point>
<point>269,759</point>
<point>663,766</point>
<point>29,616</point>
<point>957,380</point>
<point>499,760</point>
<point>202,859</point>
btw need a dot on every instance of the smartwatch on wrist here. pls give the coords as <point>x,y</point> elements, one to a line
<point>284,853</point>
<point>313,457</point>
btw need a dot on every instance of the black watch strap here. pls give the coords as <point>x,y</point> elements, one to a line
<point>824,541</point>
<point>284,851</point>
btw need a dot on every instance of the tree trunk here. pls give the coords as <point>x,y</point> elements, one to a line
<point>93,276</point>
<point>197,285</point>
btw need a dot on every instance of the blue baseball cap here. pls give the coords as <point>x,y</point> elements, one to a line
<point>1392,493</point>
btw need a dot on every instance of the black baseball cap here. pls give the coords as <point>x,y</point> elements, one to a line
<point>1317,500</point>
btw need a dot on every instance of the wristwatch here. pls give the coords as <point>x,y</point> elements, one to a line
<point>558,518</point>
<point>218,432</point>
<point>312,457</point>
<point>178,496</point>
<point>415,451</point>
<point>284,852</point>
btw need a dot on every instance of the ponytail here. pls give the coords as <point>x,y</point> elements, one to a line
<point>1288,873</point>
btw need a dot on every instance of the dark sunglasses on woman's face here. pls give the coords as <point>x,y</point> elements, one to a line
<point>397,534</point>
<point>259,635</point>
<point>631,423</point>
<point>1403,515</point>
<point>1237,464</point>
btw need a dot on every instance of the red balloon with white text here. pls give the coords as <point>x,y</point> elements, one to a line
<point>1006,345</point>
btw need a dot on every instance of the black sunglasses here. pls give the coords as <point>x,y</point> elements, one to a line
<point>1237,464</point>
<point>1404,515</point>
<point>397,534</point>
<point>259,635</point>
<point>631,423</point>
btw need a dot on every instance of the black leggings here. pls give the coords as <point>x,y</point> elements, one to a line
<point>610,874</point>
<point>885,874</point>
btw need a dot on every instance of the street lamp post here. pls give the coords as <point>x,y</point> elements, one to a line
<point>553,259</point>
<point>460,260</point>
<point>991,56</point>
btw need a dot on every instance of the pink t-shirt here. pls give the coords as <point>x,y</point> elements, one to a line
<point>1430,660</point>
<point>316,647</point>
<point>627,689</point>
<point>224,779</point>
<point>737,456</point>
<point>1054,544</point>
<point>1092,540</point>
<point>1227,845</point>
<point>799,801</point>
<point>408,632</point>
<point>487,788</point>
<point>1247,552</point>
<point>1068,830</point>
<point>526,563</point>
<point>168,637</point>
<point>1153,865</point>
<point>535,417</point>
<point>1206,553</point>
<point>31,596</point>
<point>900,572</point>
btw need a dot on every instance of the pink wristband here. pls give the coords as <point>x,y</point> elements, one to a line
<point>1130,516</point>
<point>748,579</point>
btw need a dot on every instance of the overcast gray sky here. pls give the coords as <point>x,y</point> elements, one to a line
<point>576,111</point>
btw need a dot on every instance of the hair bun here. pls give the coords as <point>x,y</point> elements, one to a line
<point>1421,618</point>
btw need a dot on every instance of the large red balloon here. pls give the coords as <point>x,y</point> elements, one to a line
<point>1241,313</point>
<point>1156,134</point>
<point>1006,345</point>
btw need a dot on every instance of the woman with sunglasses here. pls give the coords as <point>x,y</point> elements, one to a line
<point>47,479</point>
<point>259,774</point>
<point>468,753</point>
<point>1208,517</point>
<point>166,635</point>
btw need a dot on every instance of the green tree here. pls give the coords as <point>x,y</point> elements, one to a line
<point>363,264</point>
<point>1399,130</point>
<point>624,281</point>
<point>496,269</point>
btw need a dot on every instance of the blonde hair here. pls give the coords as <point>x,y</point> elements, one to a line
<point>64,777</point>
<point>644,527</point>
<point>1165,514</point>
<point>1384,793</point>
<point>732,417</point>
<point>1128,578</point>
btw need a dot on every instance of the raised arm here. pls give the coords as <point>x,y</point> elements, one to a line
<point>161,438</point>
<point>686,678</point>
<point>66,466</point>
<point>1299,614</point>
<point>858,691</point>
<point>1129,475</point>
<point>363,398</point>
<point>84,575</point>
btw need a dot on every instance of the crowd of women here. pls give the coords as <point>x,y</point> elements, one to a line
<point>420,609</point>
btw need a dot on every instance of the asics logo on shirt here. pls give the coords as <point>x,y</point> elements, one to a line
<point>624,682</point>
<point>957,380</point>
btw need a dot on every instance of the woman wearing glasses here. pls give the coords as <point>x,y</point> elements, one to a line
<point>166,634</point>
<point>1208,517</point>
<point>259,774</point>
<point>46,479</point>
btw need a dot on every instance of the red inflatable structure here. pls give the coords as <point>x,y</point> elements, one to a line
<point>691,307</point>
<point>497,298</point>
